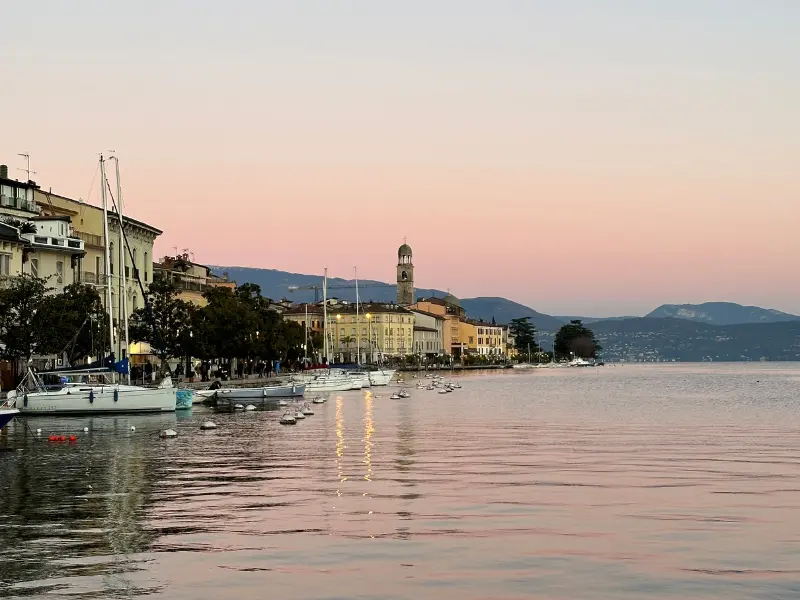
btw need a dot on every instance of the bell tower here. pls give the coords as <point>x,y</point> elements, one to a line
<point>405,276</point>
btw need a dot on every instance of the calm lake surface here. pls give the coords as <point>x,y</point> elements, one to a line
<point>674,481</point>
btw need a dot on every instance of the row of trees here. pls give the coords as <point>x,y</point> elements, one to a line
<point>572,339</point>
<point>34,322</point>
<point>233,324</point>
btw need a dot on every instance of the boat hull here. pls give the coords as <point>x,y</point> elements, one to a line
<point>257,393</point>
<point>7,415</point>
<point>98,400</point>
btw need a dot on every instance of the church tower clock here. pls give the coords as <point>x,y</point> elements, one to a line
<point>405,276</point>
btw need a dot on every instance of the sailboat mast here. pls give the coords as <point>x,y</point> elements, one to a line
<point>109,303</point>
<point>123,282</point>
<point>305,348</point>
<point>325,313</point>
<point>358,323</point>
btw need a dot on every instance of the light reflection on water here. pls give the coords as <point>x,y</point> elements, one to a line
<point>620,482</point>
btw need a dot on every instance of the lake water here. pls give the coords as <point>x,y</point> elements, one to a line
<point>674,481</point>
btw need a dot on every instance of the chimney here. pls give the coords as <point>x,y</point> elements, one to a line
<point>3,171</point>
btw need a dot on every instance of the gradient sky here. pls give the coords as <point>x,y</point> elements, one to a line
<point>579,156</point>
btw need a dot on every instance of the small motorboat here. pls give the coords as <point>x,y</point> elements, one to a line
<point>207,425</point>
<point>404,394</point>
<point>283,403</point>
<point>250,407</point>
<point>307,410</point>
<point>299,414</point>
<point>288,419</point>
<point>238,406</point>
<point>7,415</point>
<point>430,388</point>
<point>318,400</point>
<point>444,391</point>
<point>395,396</point>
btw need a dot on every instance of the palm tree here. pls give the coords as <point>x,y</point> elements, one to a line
<point>23,226</point>
<point>347,340</point>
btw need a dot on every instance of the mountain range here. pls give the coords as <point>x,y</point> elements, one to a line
<point>707,331</point>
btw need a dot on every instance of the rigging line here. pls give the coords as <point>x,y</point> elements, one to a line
<point>94,178</point>
<point>147,307</point>
<point>75,337</point>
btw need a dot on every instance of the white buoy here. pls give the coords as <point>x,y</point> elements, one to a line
<point>85,430</point>
<point>208,425</point>
<point>133,428</point>
<point>168,433</point>
<point>239,406</point>
<point>38,431</point>
<point>250,407</point>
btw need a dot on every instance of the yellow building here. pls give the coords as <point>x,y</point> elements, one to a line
<point>380,329</point>
<point>191,278</point>
<point>136,257</point>
<point>481,338</point>
<point>449,308</point>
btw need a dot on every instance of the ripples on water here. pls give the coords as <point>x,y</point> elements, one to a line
<point>616,482</point>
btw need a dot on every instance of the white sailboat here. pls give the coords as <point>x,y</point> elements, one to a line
<point>92,391</point>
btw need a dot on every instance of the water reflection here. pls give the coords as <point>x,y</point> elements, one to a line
<point>368,431</point>
<point>340,440</point>
<point>566,485</point>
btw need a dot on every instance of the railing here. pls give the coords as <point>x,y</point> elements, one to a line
<point>91,239</point>
<point>93,278</point>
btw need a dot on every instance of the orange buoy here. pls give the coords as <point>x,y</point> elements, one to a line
<point>73,438</point>
<point>52,438</point>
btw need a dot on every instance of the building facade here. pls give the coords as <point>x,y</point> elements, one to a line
<point>449,308</point>
<point>379,330</point>
<point>190,278</point>
<point>428,334</point>
<point>12,246</point>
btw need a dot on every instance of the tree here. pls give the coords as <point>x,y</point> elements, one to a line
<point>24,329</point>
<point>78,323</point>
<point>574,338</point>
<point>164,322</point>
<point>524,334</point>
<point>23,226</point>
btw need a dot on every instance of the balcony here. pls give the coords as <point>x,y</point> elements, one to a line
<point>60,243</point>
<point>91,239</point>
<point>93,278</point>
<point>18,204</point>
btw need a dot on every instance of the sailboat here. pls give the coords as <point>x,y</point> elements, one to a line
<point>92,391</point>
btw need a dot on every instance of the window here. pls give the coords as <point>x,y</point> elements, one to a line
<point>97,267</point>
<point>59,272</point>
<point>5,264</point>
<point>363,331</point>
<point>35,267</point>
<point>135,302</point>
<point>145,266</point>
<point>111,259</point>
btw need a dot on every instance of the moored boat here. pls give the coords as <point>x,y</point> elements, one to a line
<point>7,415</point>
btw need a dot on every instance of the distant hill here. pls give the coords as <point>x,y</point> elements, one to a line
<point>651,338</point>
<point>721,313</point>
<point>276,285</point>
<point>718,331</point>
<point>503,311</point>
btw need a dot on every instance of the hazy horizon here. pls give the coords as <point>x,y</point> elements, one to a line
<point>597,158</point>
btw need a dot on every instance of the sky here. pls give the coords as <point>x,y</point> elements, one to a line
<point>592,157</point>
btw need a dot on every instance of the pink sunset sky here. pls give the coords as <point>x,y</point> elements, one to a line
<point>580,157</point>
